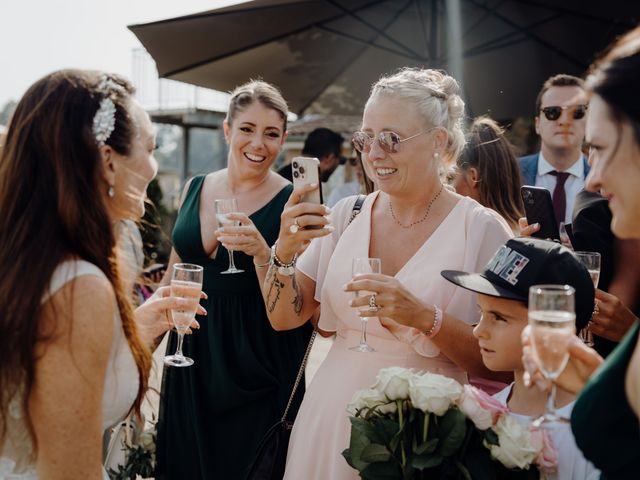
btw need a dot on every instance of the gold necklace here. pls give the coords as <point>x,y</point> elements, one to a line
<point>425,215</point>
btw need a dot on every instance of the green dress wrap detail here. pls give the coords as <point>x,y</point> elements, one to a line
<point>214,413</point>
<point>604,426</point>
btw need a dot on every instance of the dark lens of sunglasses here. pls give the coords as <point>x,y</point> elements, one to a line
<point>552,113</point>
<point>389,141</point>
<point>579,112</point>
<point>359,141</point>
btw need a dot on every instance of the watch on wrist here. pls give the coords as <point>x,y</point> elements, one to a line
<point>285,269</point>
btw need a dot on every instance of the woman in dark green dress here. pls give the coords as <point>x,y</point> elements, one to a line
<point>605,416</point>
<point>214,413</point>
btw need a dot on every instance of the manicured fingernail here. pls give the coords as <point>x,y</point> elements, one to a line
<point>536,225</point>
<point>205,296</point>
<point>351,303</point>
<point>313,185</point>
<point>526,378</point>
<point>329,228</point>
<point>327,209</point>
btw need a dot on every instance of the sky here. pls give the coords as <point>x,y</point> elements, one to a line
<point>40,36</point>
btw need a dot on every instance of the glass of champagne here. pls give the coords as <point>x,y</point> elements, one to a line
<point>591,260</point>
<point>186,283</point>
<point>552,318</point>
<point>223,209</point>
<point>362,266</point>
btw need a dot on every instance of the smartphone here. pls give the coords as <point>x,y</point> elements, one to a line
<point>306,170</point>
<point>538,208</point>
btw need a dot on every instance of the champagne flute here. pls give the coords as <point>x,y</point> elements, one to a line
<point>552,318</point>
<point>223,209</point>
<point>591,260</point>
<point>362,266</point>
<point>186,283</point>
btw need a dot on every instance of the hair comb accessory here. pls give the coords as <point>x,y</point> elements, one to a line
<point>104,121</point>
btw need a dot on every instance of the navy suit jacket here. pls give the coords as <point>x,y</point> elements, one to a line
<point>529,168</point>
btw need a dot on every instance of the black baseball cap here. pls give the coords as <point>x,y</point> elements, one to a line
<point>523,262</point>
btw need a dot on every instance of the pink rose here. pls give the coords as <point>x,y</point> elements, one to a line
<point>482,409</point>
<point>547,460</point>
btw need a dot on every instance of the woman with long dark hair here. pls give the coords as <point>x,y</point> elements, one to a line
<point>74,359</point>
<point>488,172</point>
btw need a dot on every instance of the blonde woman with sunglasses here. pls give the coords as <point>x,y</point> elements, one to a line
<point>411,123</point>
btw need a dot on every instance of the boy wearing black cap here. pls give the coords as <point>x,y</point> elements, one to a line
<point>503,293</point>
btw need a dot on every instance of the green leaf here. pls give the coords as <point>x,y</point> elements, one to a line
<point>375,452</point>
<point>420,462</point>
<point>384,430</point>
<point>491,437</point>
<point>452,430</point>
<point>427,447</point>
<point>381,471</point>
<point>357,444</point>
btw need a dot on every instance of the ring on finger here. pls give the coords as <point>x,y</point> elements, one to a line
<point>373,306</point>
<point>295,226</point>
<point>596,308</point>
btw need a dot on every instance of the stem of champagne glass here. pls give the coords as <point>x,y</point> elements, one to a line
<point>363,331</point>
<point>179,349</point>
<point>551,400</point>
<point>232,265</point>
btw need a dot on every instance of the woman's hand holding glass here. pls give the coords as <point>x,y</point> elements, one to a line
<point>153,317</point>
<point>611,319</point>
<point>243,237</point>
<point>582,363</point>
<point>394,301</point>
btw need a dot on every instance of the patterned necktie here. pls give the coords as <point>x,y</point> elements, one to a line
<point>559,195</point>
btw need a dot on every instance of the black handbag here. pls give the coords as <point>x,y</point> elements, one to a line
<point>271,456</point>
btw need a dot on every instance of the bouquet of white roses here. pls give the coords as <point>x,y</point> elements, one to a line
<point>413,426</point>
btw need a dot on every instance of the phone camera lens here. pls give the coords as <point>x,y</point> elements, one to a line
<point>296,174</point>
<point>301,170</point>
<point>295,165</point>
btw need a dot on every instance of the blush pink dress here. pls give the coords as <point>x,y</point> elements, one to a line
<point>465,240</point>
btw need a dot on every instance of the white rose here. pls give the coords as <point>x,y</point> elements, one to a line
<point>394,382</point>
<point>370,398</point>
<point>433,393</point>
<point>147,441</point>
<point>516,449</point>
<point>480,417</point>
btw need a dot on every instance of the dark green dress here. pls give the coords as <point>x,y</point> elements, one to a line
<point>214,413</point>
<point>604,426</point>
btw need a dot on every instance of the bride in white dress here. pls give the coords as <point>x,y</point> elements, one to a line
<point>74,355</point>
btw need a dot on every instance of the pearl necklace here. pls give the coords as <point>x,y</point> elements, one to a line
<point>425,215</point>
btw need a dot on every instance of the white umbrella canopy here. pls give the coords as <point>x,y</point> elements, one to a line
<point>325,54</point>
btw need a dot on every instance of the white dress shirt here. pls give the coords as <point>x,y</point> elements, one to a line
<point>574,183</point>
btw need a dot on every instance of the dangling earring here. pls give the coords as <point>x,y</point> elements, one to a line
<point>436,155</point>
<point>111,192</point>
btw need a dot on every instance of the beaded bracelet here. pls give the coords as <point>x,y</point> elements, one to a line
<point>437,322</point>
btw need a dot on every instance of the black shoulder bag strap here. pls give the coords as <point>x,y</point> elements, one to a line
<point>357,206</point>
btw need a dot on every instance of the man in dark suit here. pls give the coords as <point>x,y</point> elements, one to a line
<point>325,145</point>
<point>560,166</point>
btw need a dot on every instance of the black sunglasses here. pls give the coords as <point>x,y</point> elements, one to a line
<point>553,113</point>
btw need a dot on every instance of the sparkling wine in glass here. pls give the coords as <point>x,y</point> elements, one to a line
<point>362,266</point>
<point>186,283</point>
<point>223,209</point>
<point>552,318</point>
<point>591,260</point>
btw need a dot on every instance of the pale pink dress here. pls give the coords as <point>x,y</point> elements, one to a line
<point>465,240</point>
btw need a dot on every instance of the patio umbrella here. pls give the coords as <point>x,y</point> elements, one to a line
<point>325,54</point>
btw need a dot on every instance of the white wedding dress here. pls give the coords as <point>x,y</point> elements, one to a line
<point>17,461</point>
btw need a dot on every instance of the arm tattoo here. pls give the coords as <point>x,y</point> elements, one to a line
<point>275,285</point>
<point>297,298</point>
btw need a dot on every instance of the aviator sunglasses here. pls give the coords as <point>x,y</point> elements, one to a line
<point>388,141</point>
<point>553,113</point>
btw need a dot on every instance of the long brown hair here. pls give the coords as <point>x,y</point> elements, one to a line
<point>50,210</point>
<point>499,179</point>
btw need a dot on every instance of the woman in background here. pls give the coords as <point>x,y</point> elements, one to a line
<point>214,413</point>
<point>488,172</point>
